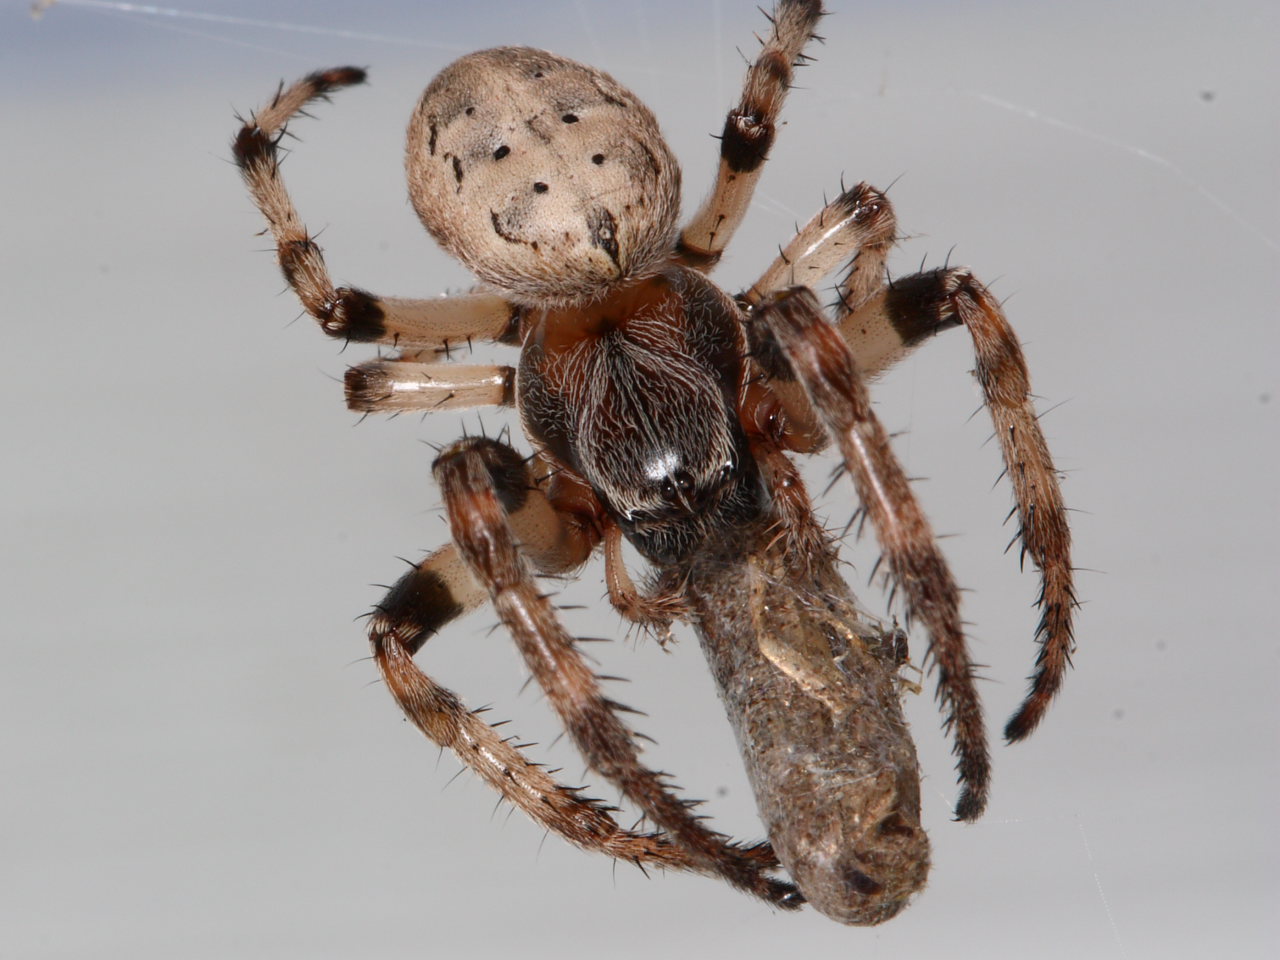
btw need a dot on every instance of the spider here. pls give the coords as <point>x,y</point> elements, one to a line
<point>664,412</point>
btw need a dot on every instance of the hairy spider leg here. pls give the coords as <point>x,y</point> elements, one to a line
<point>349,313</point>
<point>483,482</point>
<point>912,309</point>
<point>403,385</point>
<point>805,347</point>
<point>883,322</point>
<point>856,228</point>
<point>932,301</point>
<point>653,610</point>
<point>749,131</point>
<point>438,590</point>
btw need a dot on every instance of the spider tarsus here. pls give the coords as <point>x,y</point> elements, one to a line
<point>335,77</point>
<point>1022,723</point>
<point>784,896</point>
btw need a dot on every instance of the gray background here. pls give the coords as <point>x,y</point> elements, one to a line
<point>196,762</point>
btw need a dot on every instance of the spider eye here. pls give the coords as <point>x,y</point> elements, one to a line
<point>598,159</point>
<point>540,187</point>
<point>676,485</point>
<point>501,152</point>
<point>570,118</point>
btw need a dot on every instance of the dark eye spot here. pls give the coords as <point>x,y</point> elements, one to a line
<point>598,159</point>
<point>570,118</point>
<point>540,187</point>
<point>537,75</point>
<point>501,152</point>
<point>470,111</point>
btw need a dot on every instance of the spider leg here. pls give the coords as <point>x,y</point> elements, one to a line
<point>443,717</point>
<point>397,385</point>
<point>749,131</point>
<point>857,227</point>
<point>916,307</point>
<point>800,344</point>
<point>441,588</point>
<point>349,313</point>
<point>483,482</point>
<point>881,324</point>
<point>652,610</point>
<point>436,591</point>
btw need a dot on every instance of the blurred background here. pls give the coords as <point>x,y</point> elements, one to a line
<point>196,758</point>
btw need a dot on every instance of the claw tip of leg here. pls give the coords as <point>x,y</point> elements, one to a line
<point>970,806</point>
<point>1021,724</point>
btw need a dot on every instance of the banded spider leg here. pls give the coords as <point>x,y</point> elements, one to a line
<point>818,370</point>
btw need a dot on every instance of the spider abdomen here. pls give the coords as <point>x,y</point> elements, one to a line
<point>546,177</point>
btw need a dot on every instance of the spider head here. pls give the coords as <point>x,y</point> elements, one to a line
<point>686,508</point>
<point>548,179</point>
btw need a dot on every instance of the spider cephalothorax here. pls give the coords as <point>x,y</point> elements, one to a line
<point>598,386</point>
<point>665,412</point>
